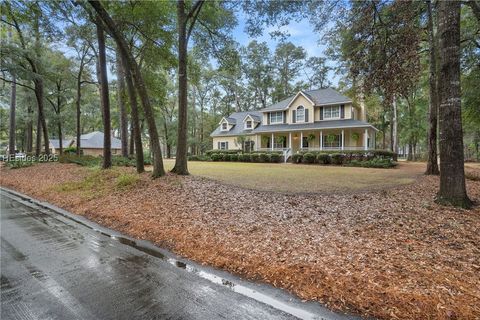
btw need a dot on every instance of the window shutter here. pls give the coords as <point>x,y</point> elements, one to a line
<point>342,111</point>
<point>218,145</point>
<point>294,116</point>
<point>284,116</point>
<point>226,145</point>
<point>321,113</point>
<point>268,118</point>
<point>306,115</point>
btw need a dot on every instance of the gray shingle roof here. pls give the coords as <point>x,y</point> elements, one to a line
<point>238,128</point>
<point>56,142</point>
<point>94,140</point>
<point>319,97</point>
<point>254,117</point>
<point>231,120</point>
<point>327,124</point>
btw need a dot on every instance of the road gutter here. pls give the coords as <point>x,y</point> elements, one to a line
<point>264,293</point>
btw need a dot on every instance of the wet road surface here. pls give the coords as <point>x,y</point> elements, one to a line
<point>54,268</point>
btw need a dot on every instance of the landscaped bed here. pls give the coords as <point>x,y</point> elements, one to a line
<point>389,253</point>
<point>353,158</point>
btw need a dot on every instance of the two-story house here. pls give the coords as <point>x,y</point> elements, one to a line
<point>311,120</point>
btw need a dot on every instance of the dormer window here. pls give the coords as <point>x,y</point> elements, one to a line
<point>224,126</point>
<point>248,124</point>
<point>300,114</point>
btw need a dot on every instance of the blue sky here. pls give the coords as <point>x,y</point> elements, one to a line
<point>301,34</point>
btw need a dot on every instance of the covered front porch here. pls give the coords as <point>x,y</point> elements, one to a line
<point>317,140</point>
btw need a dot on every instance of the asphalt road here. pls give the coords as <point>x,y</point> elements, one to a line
<point>53,267</point>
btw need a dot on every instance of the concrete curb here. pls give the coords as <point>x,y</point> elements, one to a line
<point>267,294</point>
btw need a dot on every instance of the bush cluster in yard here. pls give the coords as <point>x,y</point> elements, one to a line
<point>86,161</point>
<point>236,156</point>
<point>198,158</point>
<point>210,152</point>
<point>18,164</point>
<point>126,180</point>
<point>70,150</point>
<point>357,158</point>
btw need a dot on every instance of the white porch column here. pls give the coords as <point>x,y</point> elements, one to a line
<point>343,139</point>
<point>365,139</point>
<point>321,140</point>
<point>271,143</point>
<point>290,140</point>
<point>301,140</point>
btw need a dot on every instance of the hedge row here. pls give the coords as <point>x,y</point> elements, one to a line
<point>357,159</point>
<point>357,154</point>
<point>272,157</point>
<point>210,152</point>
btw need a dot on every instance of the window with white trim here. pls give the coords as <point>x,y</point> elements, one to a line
<point>224,145</point>
<point>248,124</point>
<point>276,117</point>
<point>300,114</point>
<point>331,112</point>
<point>224,126</point>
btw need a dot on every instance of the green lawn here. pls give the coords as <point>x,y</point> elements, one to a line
<point>303,178</point>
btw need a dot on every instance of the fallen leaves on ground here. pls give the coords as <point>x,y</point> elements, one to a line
<point>387,254</point>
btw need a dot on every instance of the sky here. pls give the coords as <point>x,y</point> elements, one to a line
<point>301,34</point>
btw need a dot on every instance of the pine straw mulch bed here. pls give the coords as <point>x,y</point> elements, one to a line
<point>388,254</point>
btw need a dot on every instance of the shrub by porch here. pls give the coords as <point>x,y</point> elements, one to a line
<point>234,155</point>
<point>354,158</point>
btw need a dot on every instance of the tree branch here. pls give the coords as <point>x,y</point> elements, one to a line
<point>193,14</point>
<point>17,83</point>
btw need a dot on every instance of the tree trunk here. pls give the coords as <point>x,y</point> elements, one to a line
<point>122,105</point>
<point>104,96</point>
<point>133,67</point>
<point>38,142</point>
<point>41,117</point>
<point>29,139</point>
<point>136,133</point>
<point>181,156</point>
<point>394,128</point>
<point>432,161</point>
<point>201,128</point>
<point>131,146</point>
<point>13,104</point>
<point>59,128</point>
<point>78,106</point>
<point>410,152</point>
<point>452,175</point>
<point>165,130</point>
<point>59,120</point>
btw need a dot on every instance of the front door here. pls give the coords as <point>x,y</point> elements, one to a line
<point>305,142</point>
